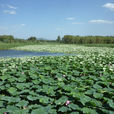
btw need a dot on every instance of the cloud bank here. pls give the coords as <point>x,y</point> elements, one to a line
<point>70,18</point>
<point>101,21</point>
<point>11,12</point>
<point>11,7</point>
<point>109,6</point>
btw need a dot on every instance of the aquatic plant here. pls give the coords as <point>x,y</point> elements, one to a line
<point>68,84</point>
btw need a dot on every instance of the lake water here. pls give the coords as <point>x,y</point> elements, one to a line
<point>16,53</point>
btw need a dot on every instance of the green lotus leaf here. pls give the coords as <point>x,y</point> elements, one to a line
<point>47,68</point>
<point>11,108</point>
<point>22,103</point>
<point>12,79</point>
<point>74,106</point>
<point>7,85</point>
<point>90,92</point>
<point>36,81</point>
<point>85,99</point>
<point>2,110</point>
<point>31,98</point>
<point>88,111</point>
<point>111,112</point>
<point>34,106</point>
<point>1,103</point>
<point>111,103</point>
<point>44,100</point>
<point>39,111</point>
<point>1,83</point>
<point>2,87</point>
<point>12,90</point>
<point>98,95</point>
<point>96,86</point>
<point>33,76</point>
<point>95,103</point>
<point>61,100</point>
<point>22,79</point>
<point>3,77</point>
<point>19,86</point>
<point>63,109</point>
<point>21,111</point>
<point>13,99</point>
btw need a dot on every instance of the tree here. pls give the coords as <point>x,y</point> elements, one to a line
<point>58,39</point>
<point>32,38</point>
<point>7,38</point>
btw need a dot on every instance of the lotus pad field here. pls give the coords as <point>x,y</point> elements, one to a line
<point>78,84</point>
<point>65,48</point>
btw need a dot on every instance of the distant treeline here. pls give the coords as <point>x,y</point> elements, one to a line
<point>11,39</point>
<point>70,39</point>
<point>67,39</point>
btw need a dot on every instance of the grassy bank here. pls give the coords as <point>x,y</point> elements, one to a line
<point>4,46</point>
<point>65,48</point>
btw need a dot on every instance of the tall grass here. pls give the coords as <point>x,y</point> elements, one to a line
<point>5,46</point>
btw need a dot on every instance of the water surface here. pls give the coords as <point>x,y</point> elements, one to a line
<point>17,53</point>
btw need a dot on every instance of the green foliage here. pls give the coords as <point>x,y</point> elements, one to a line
<point>12,90</point>
<point>58,39</point>
<point>54,85</point>
<point>4,46</point>
<point>6,38</point>
<point>32,39</point>
<point>69,39</point>
<point>99,45</point>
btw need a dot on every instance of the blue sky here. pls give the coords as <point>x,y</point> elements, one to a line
<point>50,18</point>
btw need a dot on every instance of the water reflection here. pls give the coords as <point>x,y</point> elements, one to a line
<point>16,53</point>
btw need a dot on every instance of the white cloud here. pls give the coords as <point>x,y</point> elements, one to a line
<point>74,23</point>
<point>109,6</point>
<point>11,12</point>
<point>70,18</point>
<point>11,7</point>
<point>23,24</point>
<point>101,21</point>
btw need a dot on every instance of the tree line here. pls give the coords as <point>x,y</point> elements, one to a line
<point>70,39</point>
<point>32,39</point>
<point>67,39</point>
<point>11,39</point>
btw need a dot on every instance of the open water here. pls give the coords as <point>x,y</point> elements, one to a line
<point>16,53</point>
